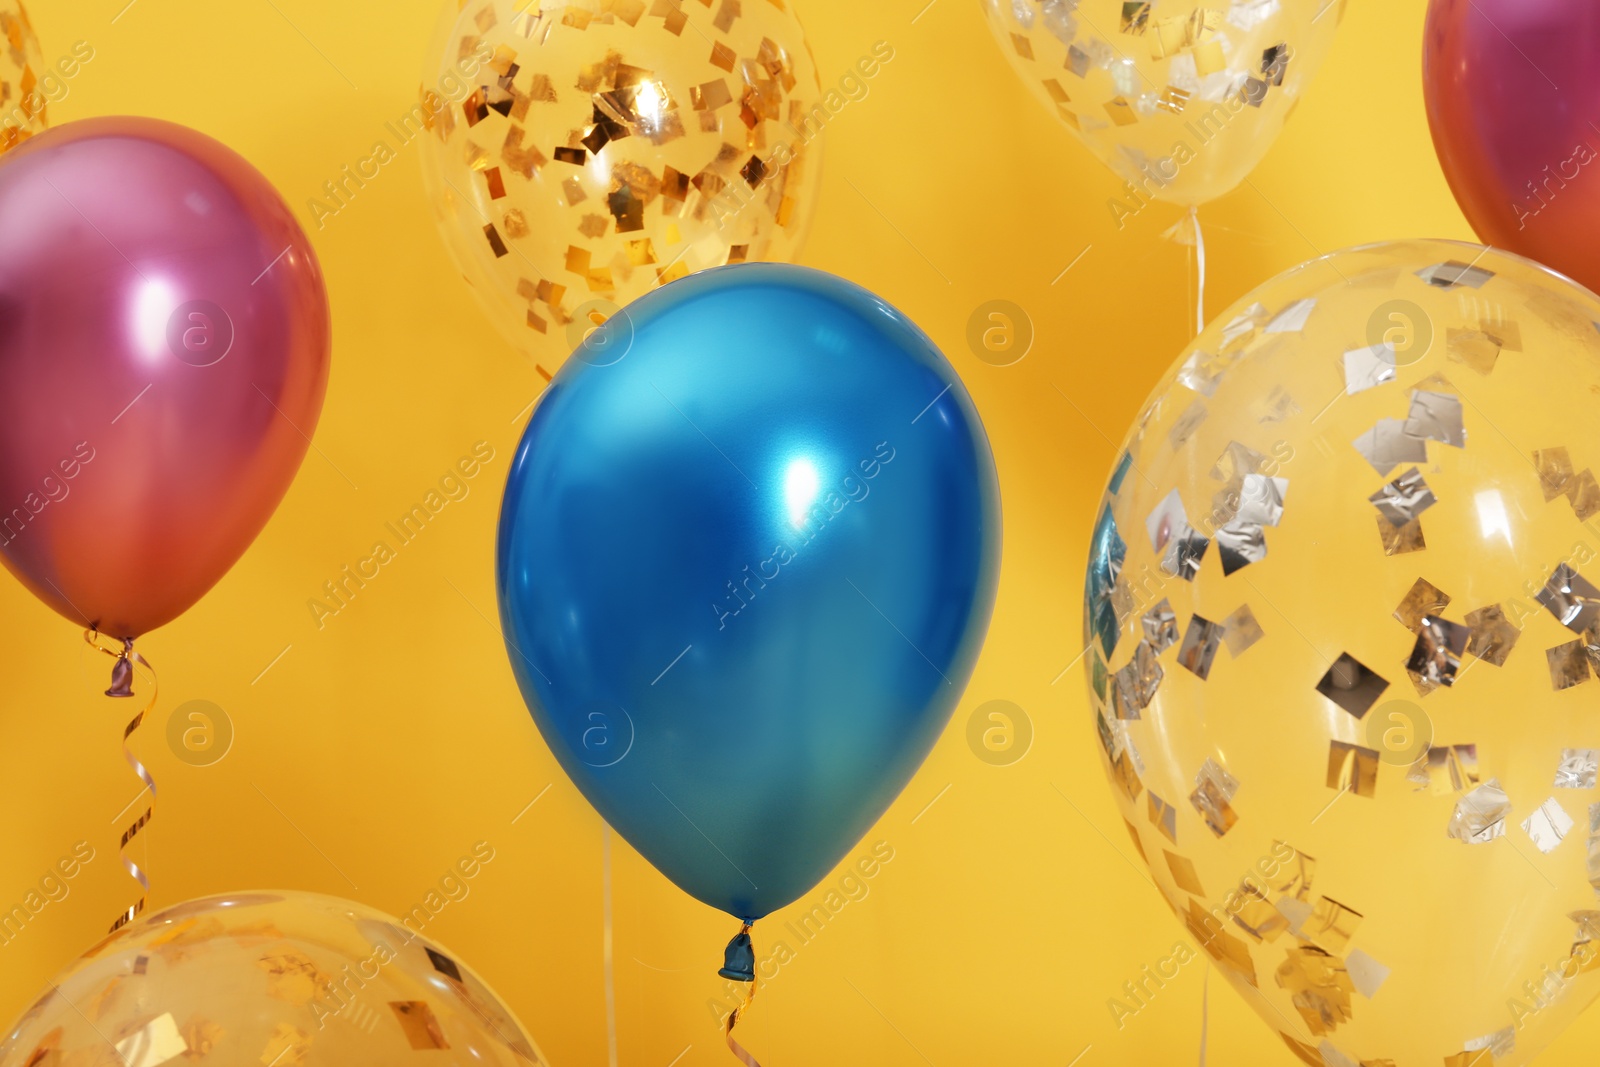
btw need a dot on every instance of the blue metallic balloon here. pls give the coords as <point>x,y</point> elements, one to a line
<point>747,556</point>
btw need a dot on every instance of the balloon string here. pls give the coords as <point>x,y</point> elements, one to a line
<point>1200,262</point>
<point>122,686</point>
<point>606,941</point>
<point>1205,1013</point>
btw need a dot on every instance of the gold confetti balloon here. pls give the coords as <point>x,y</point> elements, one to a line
<point>580,154</point>
<point>1343,627</point>
<point>1180,100</point>
<point>277,979</point>
<point>23,107</point>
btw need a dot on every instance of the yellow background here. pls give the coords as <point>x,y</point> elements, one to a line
<point>374,752</point>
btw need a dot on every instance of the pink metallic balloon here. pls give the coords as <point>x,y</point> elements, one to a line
<point>1513,95</point>
<point>164,341</point>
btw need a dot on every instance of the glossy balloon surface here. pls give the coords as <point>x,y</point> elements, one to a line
<point>748,553</point>
<point>164,344</point>
<point>1512,89</point>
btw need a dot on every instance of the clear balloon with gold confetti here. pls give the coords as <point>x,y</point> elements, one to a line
<point>579,154</point>
<point>24,109</point>
<point>1343,627</point>
<point>271,978</point>
<point>1181,100</point>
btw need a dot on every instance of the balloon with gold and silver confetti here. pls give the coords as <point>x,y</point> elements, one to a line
<point>271,978</point>
<point>579,154</point>
<point>1342,621</point>
<point>1181,100</point>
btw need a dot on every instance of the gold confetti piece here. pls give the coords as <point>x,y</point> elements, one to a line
<point>1332,925</point>
<point>710,95</point>
<point>1163,817</point>
<point>1436,657</point>
<point>495,242</point>
<point>1121,111</point>
<point>1230,952</point>
<point>1474,348</point>
<point>1173,99</point>
<point>641,253</point>
<point>738,253</point>
<point>1241,631</point>
<point>1424,601</point>
<point>1183,873</point>
<point>1214,789</point>
<point>1353,768</point>
<point>1168,36</point>
<point>1399,540</point>
<point>1584,492</point>
<point>1135,16</point>
<point>1446,769</point>
<point>1057,93</point>
<point>1569,665</point>
<point>1138,845</point>
<point>754,172</point>
<point>293,977</point>
<point>515,223</point>
<point>1199,648</point>
<point>155,1043</point>
<point>497,186</point>
<point>417,1021</point>
<point>1352,685</point>
<point>1209,58</point>
<point>1493,635</point>
<point>1554,466</point>
<point>1318,986</point>
<point>1204,24</point>
<point>1126,777</point>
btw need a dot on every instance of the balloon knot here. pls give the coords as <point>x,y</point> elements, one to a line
<point>122,672</point>
<point>739,959</point>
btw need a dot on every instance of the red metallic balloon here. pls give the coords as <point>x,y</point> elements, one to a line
<point>164,344</point>
<point>1513,95</point>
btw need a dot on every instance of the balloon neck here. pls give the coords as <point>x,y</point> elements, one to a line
<point>122,672</point>
<point>739,958</point>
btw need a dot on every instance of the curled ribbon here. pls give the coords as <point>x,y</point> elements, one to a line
<point>122,686</point>
<point>733,1044</point>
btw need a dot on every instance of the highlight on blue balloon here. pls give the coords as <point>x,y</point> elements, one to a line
<point>747,556</point>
